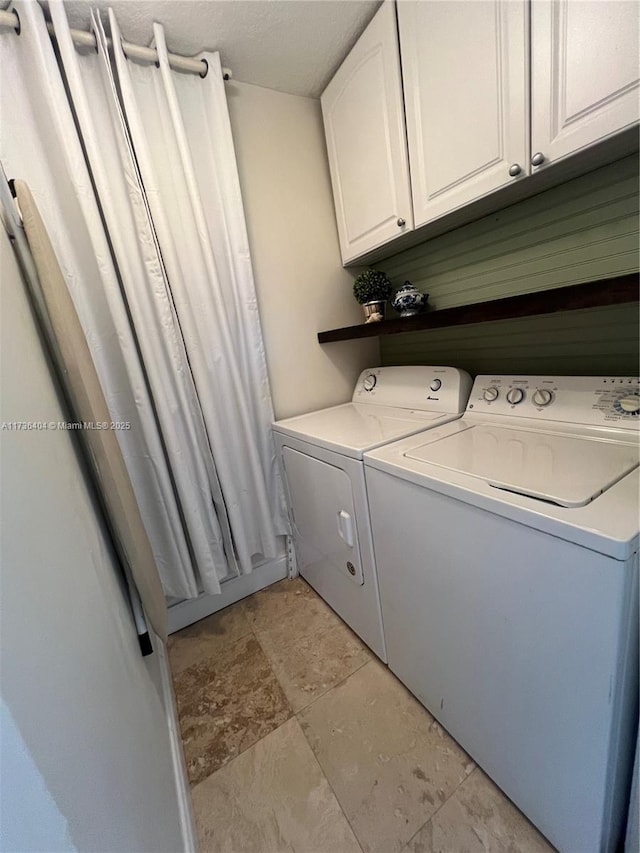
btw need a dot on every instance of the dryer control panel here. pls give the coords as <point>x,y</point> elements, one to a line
<point>433,389</point>
<point>588,400</point>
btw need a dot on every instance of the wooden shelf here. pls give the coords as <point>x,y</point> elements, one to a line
<point>590,294</point>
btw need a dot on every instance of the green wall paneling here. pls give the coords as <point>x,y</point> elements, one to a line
<point>583,230</point>
<point>578,343</point>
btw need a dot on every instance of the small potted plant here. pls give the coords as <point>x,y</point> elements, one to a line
<point>371,289</point>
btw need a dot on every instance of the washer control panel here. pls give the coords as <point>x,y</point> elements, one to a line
<point>589,400</point>
<point>437,389</point>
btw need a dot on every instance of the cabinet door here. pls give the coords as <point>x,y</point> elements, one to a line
<point>465,71</point>
<point>366,142</point>
<point>584,73</point>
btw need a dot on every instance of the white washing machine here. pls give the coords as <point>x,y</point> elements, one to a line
<point>507,554</point>
<point>322,454</point>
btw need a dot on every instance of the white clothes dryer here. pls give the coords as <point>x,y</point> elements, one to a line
<point>507,553</point>
<point>321,453</point>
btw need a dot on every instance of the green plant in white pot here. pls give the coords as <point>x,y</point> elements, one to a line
<point>371,289</point>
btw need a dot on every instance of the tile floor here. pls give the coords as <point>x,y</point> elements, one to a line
<point>298,740</point>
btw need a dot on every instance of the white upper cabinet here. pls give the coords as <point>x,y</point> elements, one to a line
<point>493,90</point>
<point>584,73</point>
<point>366,143</point>
<point>466,84</point>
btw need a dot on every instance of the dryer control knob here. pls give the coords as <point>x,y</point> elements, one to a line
<point>436,385</point>
<point>515,396</point>
<point>542,397</point>
<point>490,394</point>
<point>629,405</point>
<point>369,382</point>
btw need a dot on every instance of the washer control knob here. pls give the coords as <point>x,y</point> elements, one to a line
<point>542,397</point>
<point>369,382</point>
<point>436,385</point>
<point>515,396</point>
<point>490,394</point>
<point>629,405</point>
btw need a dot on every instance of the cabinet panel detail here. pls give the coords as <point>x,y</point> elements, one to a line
<point>366,141</point>
<point>465,69</point>
<point>358,108</point>
<point>585,82</point>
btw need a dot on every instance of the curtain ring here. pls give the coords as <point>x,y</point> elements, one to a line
<point>18,27</point>
<point>204,73</point>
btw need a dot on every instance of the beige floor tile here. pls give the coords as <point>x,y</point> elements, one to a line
<point>389,763</point>
<point>289,610</point>
<point>310,666</point>
<point>204,639</point>
<point>478,818</point>
<point>271,799</point>
<point>226,703</point>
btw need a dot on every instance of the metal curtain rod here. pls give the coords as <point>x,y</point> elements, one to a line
<point>134,51</point>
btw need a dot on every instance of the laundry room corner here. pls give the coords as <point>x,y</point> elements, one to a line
<point>320,435</point>
<point>300,281</point>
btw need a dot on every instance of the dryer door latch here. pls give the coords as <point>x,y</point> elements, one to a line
<point>345,528</point>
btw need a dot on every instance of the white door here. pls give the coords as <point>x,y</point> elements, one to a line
<point>366,142</point>
<point>324,516</point>
<point>465,71</point>
<point>584,58</point>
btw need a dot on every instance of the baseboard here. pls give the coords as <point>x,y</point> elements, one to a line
<point>187,612</point>
<point>187,823</point>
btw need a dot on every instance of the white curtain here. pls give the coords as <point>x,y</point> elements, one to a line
<point>182,137</point>
<point>39,143</point>
<point>172,324</point>
<point>152,314</point>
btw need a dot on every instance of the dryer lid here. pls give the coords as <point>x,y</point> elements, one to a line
<point>353,428</point>
<point>566,470</point>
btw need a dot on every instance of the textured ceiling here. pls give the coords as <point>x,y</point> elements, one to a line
<point>293,46</point>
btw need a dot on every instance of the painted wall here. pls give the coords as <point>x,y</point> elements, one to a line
<point>301,285</point>
<point>25,795</point>
<point>85,739</point>
<point>583,230</point>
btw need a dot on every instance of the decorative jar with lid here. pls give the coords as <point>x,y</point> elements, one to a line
<point>409,300</point>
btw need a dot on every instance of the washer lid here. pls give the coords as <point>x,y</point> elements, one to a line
<point>569,471</point>
<point>353,428</point>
